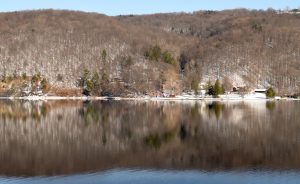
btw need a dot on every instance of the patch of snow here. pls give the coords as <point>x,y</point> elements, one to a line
<point>255,96</point>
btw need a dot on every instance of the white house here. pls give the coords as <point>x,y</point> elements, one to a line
<point>256,94</point>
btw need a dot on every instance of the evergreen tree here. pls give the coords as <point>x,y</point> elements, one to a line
<point>44,84</point>
<point>183,60</point>
<point>96,83</point>
<point>218,89</point>
<point>168,58</point>
<point>86,83</point>
<point>270,93</point>
<point>210,88</point>
<point>103,55</point>
<point>34,79</point>
<point>89,87</point>
<point>194,86</point>
<point>163,80</point>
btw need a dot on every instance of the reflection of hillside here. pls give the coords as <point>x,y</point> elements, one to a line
<point>22,110</point>
<point>73,136</point>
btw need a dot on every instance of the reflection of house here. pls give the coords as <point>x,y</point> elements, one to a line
<point>235,89</point>
<point>168,93</point>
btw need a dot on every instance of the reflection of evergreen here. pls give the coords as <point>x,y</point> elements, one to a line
<point>35,113</point>
<point>183,133</point>
<point>44,109</point>
<point>104,139</point>
<point>156,140</point>
<point>89,113</point>
<point>194,110</point>
<point>169,136</point>
<point>153,140</point>
<point>270,105</point>
<point>127,132</point>
<point>22,110</point>
<point>217,107</point>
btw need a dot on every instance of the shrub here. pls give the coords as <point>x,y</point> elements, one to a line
<point>270,93</point>
<point>183,60</point>
<point>90,83</point>
<point>34,79</point>
<point>44,84</point>
<point>216,89</point>
<point>168,58</point>
<point>9,78</point>
<point>24,76</point>
<point>153,53</point>
<point>4,78</point>
<point>103,55</point>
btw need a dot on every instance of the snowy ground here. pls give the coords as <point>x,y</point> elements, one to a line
<point>228,97</point>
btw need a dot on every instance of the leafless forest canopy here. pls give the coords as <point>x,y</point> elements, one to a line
<point>252,48</point>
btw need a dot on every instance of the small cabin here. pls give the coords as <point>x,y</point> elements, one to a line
<point>260,91</point>
<point>239,89</point>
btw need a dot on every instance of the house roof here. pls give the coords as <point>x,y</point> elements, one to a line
<point>260,90</point>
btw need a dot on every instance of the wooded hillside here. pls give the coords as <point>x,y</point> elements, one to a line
<point>146,54</point>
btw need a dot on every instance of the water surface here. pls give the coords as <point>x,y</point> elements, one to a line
<point>149,142</point>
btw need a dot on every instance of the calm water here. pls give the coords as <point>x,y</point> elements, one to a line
<point>149,142</point>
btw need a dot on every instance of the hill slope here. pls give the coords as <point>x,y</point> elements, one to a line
<point>130,54</point>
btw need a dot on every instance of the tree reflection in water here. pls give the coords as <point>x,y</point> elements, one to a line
<point>63,137</point>
<point>216,107</point>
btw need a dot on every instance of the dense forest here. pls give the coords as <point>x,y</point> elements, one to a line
<point>148,54</point>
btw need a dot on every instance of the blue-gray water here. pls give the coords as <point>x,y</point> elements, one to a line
<point>165,176</point>
<point>149,142</point>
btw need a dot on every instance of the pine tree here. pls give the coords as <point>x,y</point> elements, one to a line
<point>103,55</point>
<point>218,89</point>
<point>194,86</point>
<point>270,93</point>
<point>96,83</point>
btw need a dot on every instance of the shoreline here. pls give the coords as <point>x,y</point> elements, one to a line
<point>45,98</point>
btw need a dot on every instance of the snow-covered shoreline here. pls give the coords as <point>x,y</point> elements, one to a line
<point>143,98</point>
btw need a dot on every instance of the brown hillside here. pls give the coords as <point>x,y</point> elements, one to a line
<point>253,48</point>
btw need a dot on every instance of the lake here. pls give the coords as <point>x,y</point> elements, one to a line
<point>149,142</point>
